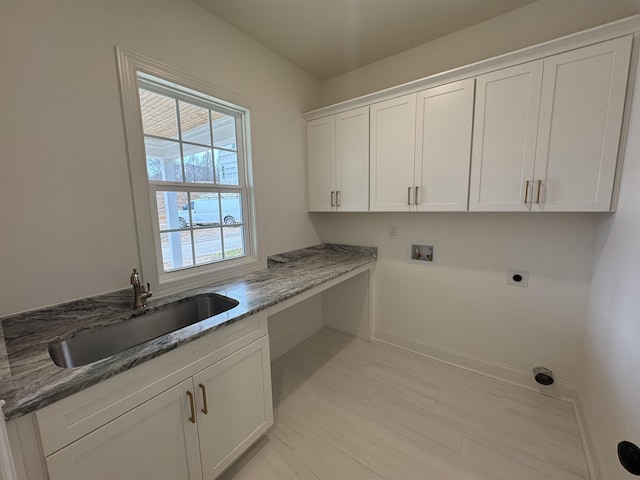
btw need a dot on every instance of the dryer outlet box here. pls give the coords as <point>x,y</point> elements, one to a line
<point>518,278</point>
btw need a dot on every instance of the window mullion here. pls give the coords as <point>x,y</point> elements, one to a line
<point>178,122</point>
<point>221,226</point>
<point>213,150</point>
<point>193,244</point>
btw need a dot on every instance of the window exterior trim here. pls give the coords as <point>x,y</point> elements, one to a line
<point>130,65</point>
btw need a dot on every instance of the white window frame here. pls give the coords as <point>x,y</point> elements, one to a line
<point>129,66</point>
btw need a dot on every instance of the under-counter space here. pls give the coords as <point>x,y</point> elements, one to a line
<point>31,380</point>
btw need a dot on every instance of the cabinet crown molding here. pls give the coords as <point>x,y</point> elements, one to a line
<point>609,31</point>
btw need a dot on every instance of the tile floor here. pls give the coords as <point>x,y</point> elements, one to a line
<point>348,409</point>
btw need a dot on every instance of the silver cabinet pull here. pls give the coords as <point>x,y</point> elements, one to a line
<point>338,198</point>
<point>539,188</point>
<point>526,191</point>
<point>333,199</point>
<point>409,196</point>
<point>192,418</point>
<point>204,409</point>
<point>415,197</point>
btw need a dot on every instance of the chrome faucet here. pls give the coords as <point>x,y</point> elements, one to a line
<point>139,294</point>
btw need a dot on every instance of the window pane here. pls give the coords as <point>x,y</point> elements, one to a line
<point>208,245</point>
<point>194,123</point>
<point>176,250</point>
<point>226,167</point>
<point>158,114</point>
<point>233,242</point>
<point>224,131</point>
<point>198,164</point>
<point>231,208</point>
<point>173,210</point>
<point>163,160</point>
<point>205,208</point>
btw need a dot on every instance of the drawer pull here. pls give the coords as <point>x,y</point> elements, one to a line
<point>204,399</point>
<point>526,191</point>
<point>192,418</point>
<point>539,188</point>
<point>409,196</point>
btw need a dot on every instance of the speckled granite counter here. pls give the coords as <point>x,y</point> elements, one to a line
<point>30,380</point>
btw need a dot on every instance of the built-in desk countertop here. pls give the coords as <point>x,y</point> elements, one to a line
<point>29,379</point>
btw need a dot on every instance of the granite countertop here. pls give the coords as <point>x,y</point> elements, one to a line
<point>30,380</point>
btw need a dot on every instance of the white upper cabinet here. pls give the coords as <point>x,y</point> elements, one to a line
<point>504,138</point>
<point>444,121</point>
<point>533,133</point>
<point>321,162</point>
<point>338,162</point>
<point>421,148</point>
<point>393,127</point>
<point>352,160</point>
<point>581,109</point>
<point>546,133</point>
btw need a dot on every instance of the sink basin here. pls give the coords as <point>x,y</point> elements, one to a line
<point>94,345</point>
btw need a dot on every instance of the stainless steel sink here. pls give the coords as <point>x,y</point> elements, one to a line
<point>94,345</point>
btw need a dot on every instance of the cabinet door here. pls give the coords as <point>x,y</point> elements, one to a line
<point>154,440</point>
<point>582,103</point>
<point>321,147</point>
<point>504,138</point>
<point>393,127</point>
<point>443,146</point>
<point>237,393</point>
<point>352,160</point>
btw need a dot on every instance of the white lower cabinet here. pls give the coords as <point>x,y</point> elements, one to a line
<point>235,393</point>
<point>153,441</point>
<point>192,431</point>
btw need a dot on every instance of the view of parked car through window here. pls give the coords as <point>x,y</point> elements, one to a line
<point>195,167</point>
<point>207,211</point>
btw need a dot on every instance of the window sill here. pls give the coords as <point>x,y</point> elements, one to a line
<point>195,280</point>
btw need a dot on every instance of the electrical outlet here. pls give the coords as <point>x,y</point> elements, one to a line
<point>393,232</point>
<point>518,278</point>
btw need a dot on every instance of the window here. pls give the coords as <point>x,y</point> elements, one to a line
<point>189,155</point>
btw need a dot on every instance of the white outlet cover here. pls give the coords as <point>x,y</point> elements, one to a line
<point>512,278</point>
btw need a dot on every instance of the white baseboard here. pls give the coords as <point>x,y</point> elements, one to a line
<point>592,448</point>
<point>506,373</point>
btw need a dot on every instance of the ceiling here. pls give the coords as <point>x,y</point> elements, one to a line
<point>328,37</point>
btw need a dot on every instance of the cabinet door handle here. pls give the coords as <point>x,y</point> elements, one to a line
<point>192,418</point>
<point>333,201</point>
<point>415,197</point>
<point>409,196</point>
<point>539,188</point>
<point>338,198</point>
<point>204,399</point>
<point>526,191</point>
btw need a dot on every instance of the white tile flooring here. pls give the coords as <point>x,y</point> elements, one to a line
<point>348,409</point>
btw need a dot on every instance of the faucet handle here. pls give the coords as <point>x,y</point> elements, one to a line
<point>148,287</point>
